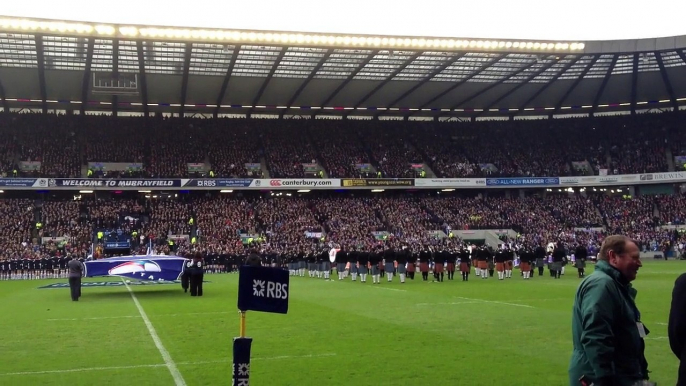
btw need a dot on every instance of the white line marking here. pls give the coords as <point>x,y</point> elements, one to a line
<point>138,316</point>
<point>661,324</point>
<point>656,338</point>
<point>163,365</point>
<point>169,362</point>
<point>497,302</point>
<point>81,370</point>
<point>571,298</point>
<point>97,318</point>
<point>441,304</point>
<point>391,289</point>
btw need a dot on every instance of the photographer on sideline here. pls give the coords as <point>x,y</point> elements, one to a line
<point>607,332</point>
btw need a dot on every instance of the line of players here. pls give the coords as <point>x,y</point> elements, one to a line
<point>26,269</point>
<point>485,261</point>
<point>359,263</point>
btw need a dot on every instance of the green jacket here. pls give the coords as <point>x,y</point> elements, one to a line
<point>607,343</point>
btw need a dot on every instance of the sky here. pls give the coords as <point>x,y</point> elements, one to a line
<point>579,20</point>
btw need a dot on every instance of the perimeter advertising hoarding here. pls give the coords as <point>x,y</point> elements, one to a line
<point>377,182</point>
<point>296,183</point>
<point>95,183</point>
<point>76,184</point>
<point>450,182</point>
<point>523,181</point>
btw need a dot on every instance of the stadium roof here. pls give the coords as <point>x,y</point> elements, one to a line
<point>58,65</point>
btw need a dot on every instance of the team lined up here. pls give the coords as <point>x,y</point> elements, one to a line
<point>440,261</point>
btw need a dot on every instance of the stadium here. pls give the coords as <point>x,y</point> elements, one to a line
<point>123,139</point>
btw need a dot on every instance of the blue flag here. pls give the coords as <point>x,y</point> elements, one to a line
<point>149,268</point>
<point>263,289</point>
<point>241,361</point>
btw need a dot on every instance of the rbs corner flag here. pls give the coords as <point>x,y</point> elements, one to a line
<point>263,289</point>
<point>259,289</point>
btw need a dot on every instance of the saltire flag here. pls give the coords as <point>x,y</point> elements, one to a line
<point>147,268</point>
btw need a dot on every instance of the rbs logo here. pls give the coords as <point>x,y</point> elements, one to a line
<point>269,289</point>
<point>206,183</point>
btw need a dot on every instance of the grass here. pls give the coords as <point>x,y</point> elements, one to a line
<point>483,332</point>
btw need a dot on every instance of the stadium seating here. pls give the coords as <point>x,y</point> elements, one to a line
<point>618,144</point>
<point>280,224</point>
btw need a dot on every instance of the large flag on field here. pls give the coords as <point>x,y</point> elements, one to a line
<point>149,268</point>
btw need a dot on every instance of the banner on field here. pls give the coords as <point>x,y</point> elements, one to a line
<point>112,284</point>
<point>378,182</point>
<point>150,268</point>
<point>303,183</point>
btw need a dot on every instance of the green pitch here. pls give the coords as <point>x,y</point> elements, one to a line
<point>483,332</point>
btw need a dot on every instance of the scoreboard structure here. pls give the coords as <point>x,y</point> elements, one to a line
<point>107,83</point>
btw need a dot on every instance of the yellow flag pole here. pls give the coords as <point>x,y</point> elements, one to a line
<point>242,328</point>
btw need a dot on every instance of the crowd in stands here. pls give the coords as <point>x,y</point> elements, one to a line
<point>216,224</point>
<point>672,209</point>
<point>173,145</point>
<point>16,226</point>
<point>285,221</point>
<point>165,146</point>
<point>231,145</point>
<point>64,219</point>
<point>168,217</point>
<point>111,139</point>
<point>221,220</point>
<point>350,220</point>
<point>392,152</point>
<point>339,147</point>
<point>286,147</point>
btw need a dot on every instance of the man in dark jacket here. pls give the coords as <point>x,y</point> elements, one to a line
<point>677,326</point>
<point>580,256</point>
<point>607,332</point>
<point>197,274</point>
<point>76,269</point>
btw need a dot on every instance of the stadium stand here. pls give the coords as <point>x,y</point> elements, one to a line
<point>287,147</point>
<point>339,148</point>
<point>283,224</point>
<point>574,146</point>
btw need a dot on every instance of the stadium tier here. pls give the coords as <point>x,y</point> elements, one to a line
<point>283,224</point>
<point>100,146</point>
